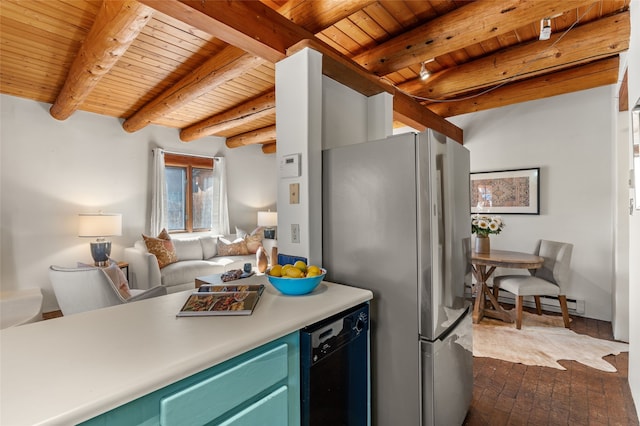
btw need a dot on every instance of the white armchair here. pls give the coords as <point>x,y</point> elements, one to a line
<point>549,280</point>
<point>85,289</point>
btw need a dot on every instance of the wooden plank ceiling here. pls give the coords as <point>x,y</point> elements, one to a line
<point>207,67</point>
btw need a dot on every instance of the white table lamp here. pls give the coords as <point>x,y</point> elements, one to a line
<point>100,226</point>
<point>269,220</point>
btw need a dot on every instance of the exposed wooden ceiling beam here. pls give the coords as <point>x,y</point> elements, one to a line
<point>269,148</point>
<point>623,93</point>
<point>247,24</point>
<point>116,26</point>
<point>411,113</point>
<point>264,135</point>
<point>262,106</point>
<point>230,63</point>
<point>473,23</point>
<point>599,73</point>
<point>606,37</point>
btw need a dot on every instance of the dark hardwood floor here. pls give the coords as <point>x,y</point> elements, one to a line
<point>505,393</point>
<point>51,314</point>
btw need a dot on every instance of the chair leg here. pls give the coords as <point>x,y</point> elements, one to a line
<point>565,310</point>
<point>519,301</point>
<point>538,305</point>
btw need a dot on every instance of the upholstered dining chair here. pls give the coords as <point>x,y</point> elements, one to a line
<point>549,280</point>
<point>84,289</point>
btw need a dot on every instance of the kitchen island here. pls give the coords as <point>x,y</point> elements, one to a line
<point>71,369</point>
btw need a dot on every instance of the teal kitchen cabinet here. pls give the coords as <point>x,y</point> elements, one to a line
<point>261,386</point>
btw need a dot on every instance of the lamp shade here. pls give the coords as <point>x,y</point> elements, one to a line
<point>100,225</point>
<point>268,219</point>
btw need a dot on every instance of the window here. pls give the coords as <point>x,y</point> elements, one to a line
<point>190,192</point>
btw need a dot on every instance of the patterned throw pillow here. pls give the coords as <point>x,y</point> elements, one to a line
<point>254,240</point>
<point>115,274</point>
<point>162,247</point>
<point>119,279</point>
<point>236,248</point>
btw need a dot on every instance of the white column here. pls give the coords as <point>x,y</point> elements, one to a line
<point>299,133</point>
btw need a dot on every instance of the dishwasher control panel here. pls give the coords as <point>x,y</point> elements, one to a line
<point>330,335</point>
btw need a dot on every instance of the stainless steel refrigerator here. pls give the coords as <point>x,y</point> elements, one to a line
<point>396,220</point>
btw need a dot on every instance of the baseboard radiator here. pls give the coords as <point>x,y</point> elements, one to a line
<point>548,303</point>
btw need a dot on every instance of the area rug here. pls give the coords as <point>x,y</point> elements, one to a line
<point>543,341</point>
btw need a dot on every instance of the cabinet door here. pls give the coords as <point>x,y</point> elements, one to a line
<point>208,399</point>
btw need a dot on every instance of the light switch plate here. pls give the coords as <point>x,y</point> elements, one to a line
<point>294,193</point>
<point>295,233</point>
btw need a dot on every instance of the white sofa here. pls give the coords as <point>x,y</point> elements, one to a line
<point>197,256</point>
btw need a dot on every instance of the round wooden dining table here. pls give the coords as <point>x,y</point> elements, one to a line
<point>483,265</point>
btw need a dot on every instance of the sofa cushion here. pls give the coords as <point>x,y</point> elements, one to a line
<point>162,247</point>
<point>209,246</point>
<point>188,249</point>
<point>188,270</point>
<point>232,248</point>
<point>235,262</point>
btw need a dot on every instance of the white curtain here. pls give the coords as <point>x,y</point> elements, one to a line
<point>159,196</point>
<point>220,210</point>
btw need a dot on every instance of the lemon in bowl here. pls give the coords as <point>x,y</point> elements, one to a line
<point>292,281</point>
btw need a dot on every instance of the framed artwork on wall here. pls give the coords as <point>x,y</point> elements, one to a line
<point>506,191</point>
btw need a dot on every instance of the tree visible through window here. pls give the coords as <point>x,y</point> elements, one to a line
<point>189,182</point>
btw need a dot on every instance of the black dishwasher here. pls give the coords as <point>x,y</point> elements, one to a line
<point>335,370</point>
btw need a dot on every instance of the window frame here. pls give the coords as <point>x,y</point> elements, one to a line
<point>188,162</point>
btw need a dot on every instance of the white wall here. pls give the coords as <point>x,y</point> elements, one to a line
<point>52,170</point>
<point>349,117</point>
<point>620,303</point>
<point>570,138</point>
<point>633,59</point>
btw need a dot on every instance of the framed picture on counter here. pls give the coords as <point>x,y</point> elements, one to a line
<point>506,191</point>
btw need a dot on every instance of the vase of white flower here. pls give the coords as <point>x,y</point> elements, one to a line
<point>483,226</point>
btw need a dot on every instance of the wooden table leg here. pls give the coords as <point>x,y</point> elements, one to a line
<point>479,272</point>
<point>497,311</point>
<point>483,294</point>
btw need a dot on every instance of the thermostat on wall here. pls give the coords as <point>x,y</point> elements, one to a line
<point>290,166</point>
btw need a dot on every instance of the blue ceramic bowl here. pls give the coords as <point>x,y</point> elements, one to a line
<point>296,286</point>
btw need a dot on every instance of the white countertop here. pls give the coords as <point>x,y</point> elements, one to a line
<point>70,369</point>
